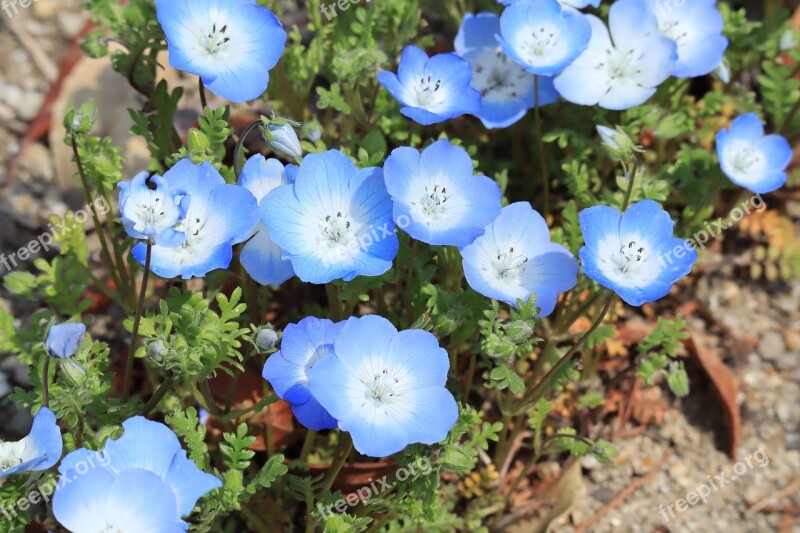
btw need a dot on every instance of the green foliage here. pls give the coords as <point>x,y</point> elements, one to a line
<point>658,352</point>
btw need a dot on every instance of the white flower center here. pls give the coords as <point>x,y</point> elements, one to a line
<point>432,202</point>
<point>382,390</point>
<point>498,78</point>
<point>315,358</point>
<point>509,265</point>
<point>12,454</point>
<point>672,29</point>
<point>336,228</point>
<point>217,39</point>
<point>619,65</point>
<point>631,258</point>
<point>745,159</point>
<point>427,93</point>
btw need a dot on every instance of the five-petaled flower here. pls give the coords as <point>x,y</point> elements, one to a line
<point>150,209</point>
<point>40,450</point>
<point>230,44</point>
<point>303,346</point>
<point>625,72</point>
<point>507,90</point>
<point>387,388</point>
<point>515,259</point>
<point>634,254</point>
<point>751,159</point>
<point>437,199</point>
<point>334,221</point>
<point>147,484</point>
<point>432,89</point>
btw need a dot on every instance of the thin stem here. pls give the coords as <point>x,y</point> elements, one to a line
<point>542,158</point>
<point>238,156</point>
<point>46,382</point>
<point>203,99</point>
<point>229,394</point>
<point>154,400</point>
<point>308,444</point>
<point>630,187</point>
<point>344,448</point>
<point>337,311</point>
<point>137,319</point>
<point>788,120</point>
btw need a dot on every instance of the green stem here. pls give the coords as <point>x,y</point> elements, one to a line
<point>542,157</point>
<point>238,156</point>
<point>308,444</point>
<point>337,310</point>
<point>630,188</point>
<point>344,448</point>
<point>203,99</point>
<point>788,120</point>
<point>126,384</point>
<point>154,400</point>
<point>46,382</point>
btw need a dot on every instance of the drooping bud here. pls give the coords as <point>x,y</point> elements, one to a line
<point>281,136</point>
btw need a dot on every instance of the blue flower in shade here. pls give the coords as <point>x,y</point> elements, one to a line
<point>334,221</point>
<point>577,4</point>
<point>260,256</point>
<point>63,339</point>
<point>432,90</point>
<point>507,90</point>
<point>40,450</point>
<point>543,36</point>
<point>230,44</point>
<point>304,345</point>
<point>219,216</point>
<point>751,159</point>
<point>633,254</point>
<point>142,481</point>
<point>623,73</point>
<point>515,259</point>
<point>696,27</point>
<point>150,209</point>
<point>386,388</point>
<point>437,199</point>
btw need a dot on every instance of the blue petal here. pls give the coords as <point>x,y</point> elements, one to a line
<point>477,32</point>
<point>63,340</point>
<point>312,415</point>
<point>420,352</point>
<point>188,483</point>
<point>261,175</point>
<point>262,259</point>
<point>362,338</point>
<point>45,435</point>
<point>648,221</point>
<point>81,505</point>
<point>144,445</point>
<point>373,439</point>
<point>747,127</point>
<point>776,150</point>
<point>412,64</point>
<point>434,416</point>
<point>599,223</point>
<point>141,501</point>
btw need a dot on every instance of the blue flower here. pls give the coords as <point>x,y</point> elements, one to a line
<point>696,27</point>
<point>230,44</point>
<point>749,158</point>
<point>334,221</point>
<point>577,4</point>
<point>304,345</point>
<point>432,90</point>
<point>437,199</point>
<point>63,339</point>
<point>386,388</point>
<point>623,73</point>
<point>219,216</point>
<point>635,254</point>
<point>515,259</point>
<point>507,90</point>
<point>260,256</point>
<point>543,36</point>
<point>40,450</point>
<point>142,481</point>
<point>150,209</point>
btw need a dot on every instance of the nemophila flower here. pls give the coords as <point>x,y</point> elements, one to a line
<point>334,221</point>
<point>303,346</point>
<point>514,259</point>
<point>284,140</point>
<point>577,4</point>
<point>543,36</point>
<point>146,483</point>
<point>623,68</point>
<point>150,209</point>
<point>751,159</point>
<point>437,199</point>
<point>63,339</point>
<point>219,215</point>
<point>432,89</point>
<point>230,44</point>
<point>507,90</point>
<point>39,450</point>
<point>260,256</point>
<point>386,388</point>
<point>633,254</point>
<point>696,27</point>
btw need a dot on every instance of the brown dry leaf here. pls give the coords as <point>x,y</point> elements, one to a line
<point>616,347</point>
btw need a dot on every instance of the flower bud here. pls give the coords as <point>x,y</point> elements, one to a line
<point>519,331</point>
<point>283,139</point>
<point>156,350</point>
<point>265,339</point>
<point>723,72</point>
<point>618,145</point>
<point>80,121</point>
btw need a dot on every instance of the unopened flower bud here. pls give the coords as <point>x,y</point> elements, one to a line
<point>156,350</point>
<point>265,339</point>
<point>616,143</point>
<point>284,139</point>
<point>519,331</point>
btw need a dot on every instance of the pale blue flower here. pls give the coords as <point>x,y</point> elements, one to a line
<point>150,209</point>
<point>387,388</point>
<point>625,72</point>
<point>634,254</point>
<point>515,259</point>
<point>437,199</point>
<point>507,90</point>
<point>432,90</point>
<point>751,159</point>
<point>40,450</point>
<point>230,44</point>
<point>63,339</point>
<point>577,4</point>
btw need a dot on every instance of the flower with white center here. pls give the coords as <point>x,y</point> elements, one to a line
<point>386,388</point>
<point>303,346</point>
<point>63,339</point>
<point>507,90</point>
<point>40,450</point>
<point>150,209</point>
<point>751,159</point>
<point>230,44</point>
<point>577,4</point>
<point>696,27</point>
<point>260,256</point>
<point>219,216</point>
<point>623,73</point>
<point>634,254</point>
<point>334,221</point>
<point>543,36</point>
<point>432,90</point>
<point>437,199</point>
<point>515,259</point>
<point>142,481</point>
